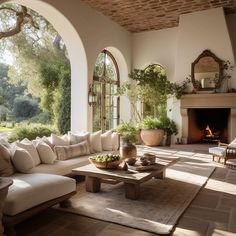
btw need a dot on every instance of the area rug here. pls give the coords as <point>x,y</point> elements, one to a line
<point>161,202</point>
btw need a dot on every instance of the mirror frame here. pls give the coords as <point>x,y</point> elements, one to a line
<point>207,53</point>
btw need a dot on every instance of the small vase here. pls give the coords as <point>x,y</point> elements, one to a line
<point>128,150</point>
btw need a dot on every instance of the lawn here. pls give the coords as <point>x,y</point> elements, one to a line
<point>6,129</point>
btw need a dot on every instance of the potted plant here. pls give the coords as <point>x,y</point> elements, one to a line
<point>127,132</point>
<point>170,128</point>
<point>152,132</point>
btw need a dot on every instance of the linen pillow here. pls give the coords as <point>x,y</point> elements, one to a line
<point>22,160</point>
<point>106,139</point>
<point>47,140</point>
<point>46,154</point>
<point>78,138</point>
<point>60,141</point>
<point>70,151</point>
<point>233,144</point>
<point>95,142</point>
<point>5,143</point>
<point>115,141</point>
<point>31,149</point>
<point>6,167</point>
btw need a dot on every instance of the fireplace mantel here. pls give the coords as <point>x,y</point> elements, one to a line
<point>213,100</point>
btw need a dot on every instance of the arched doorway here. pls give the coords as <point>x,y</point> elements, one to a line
<point>106,80</point>
<point>78,60</point>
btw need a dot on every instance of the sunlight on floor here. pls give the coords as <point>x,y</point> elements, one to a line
<point>221,186</point>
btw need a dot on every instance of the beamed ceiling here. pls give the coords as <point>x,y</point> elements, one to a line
<point>143,15</point>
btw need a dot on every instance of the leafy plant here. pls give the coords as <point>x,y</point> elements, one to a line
<point>226,75</point>
<point>151,123</point>
<point>152,88</point>
<point>31,131</point>
<point>127,131</point>
<point>169,126</point>
<point>163,122</point>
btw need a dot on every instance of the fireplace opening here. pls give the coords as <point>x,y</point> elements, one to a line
<point>208,125</point>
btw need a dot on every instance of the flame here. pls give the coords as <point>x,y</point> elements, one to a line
<point>209,132</point>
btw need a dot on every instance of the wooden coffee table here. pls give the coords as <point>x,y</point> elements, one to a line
<point>131,178</point>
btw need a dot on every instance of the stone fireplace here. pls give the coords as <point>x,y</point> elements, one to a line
<point>208,117</point>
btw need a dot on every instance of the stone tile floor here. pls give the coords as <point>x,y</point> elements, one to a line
<point>212,212</point>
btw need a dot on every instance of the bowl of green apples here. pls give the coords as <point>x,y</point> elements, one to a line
<point>107,161</point>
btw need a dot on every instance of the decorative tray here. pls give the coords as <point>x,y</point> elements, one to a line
<point>139,167</point>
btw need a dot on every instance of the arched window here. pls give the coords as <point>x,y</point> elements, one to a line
<point>149,110</point>
<point>105,83</point>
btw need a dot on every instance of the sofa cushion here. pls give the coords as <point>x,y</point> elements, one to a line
<point>22,160</point>
<point>70,151</point>
<point>47,140</point>
<point>59,140</point>
<point>106,139</point>
<point>64,167</point>
<point>6,167</point>
<point>78,138</point>
<point>31,190</point>
<point>115,141</point>
<point>5,143</point>
<point>95,142</point>
<point>46,154</point>
<point>31,149</point>
<point>218,151</point>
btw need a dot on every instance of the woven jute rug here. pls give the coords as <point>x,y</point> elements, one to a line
<point>161,202</point>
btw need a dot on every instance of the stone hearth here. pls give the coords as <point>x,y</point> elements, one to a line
<point>205,101</point>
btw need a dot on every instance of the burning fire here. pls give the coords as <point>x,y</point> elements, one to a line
<point>209,133</point>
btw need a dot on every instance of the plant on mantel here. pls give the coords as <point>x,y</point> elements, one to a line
<point>227,67</point>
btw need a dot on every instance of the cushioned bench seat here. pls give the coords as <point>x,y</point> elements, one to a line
<point>64,167</point>
<point>61,167</point>
<point>26,191</point>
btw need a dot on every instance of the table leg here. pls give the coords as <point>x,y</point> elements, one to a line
<point>161,175</point>
<point>132,191</point>
<point>93,184</point>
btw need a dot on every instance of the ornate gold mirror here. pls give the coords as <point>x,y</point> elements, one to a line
<point>207,71</point>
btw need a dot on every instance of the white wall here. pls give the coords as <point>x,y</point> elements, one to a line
<point>80,25</point>
<point>176,48</point>
<point>155,47</point>
<point>199,31</point>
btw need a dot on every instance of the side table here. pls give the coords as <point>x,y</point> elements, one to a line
<point>4,185</point>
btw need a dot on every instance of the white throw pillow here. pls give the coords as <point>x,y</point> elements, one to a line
<point>78,137</point>
<point>31,149</point>
<point>95,142</point>
<point>46,154</point>
<point>47,140</point>
<point>115,141</point>
<point>106,139</point>
<point>5,143</point>
<point>70,151</point>
<point>6,167</point>
<point>233,144</point>
<point>59,141</point>
<point>22,160</point>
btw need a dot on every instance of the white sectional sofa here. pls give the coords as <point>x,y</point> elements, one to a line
<point>44,181</point>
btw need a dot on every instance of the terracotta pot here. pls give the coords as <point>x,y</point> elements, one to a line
<point>152,137</point>
<point>128,150</point>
